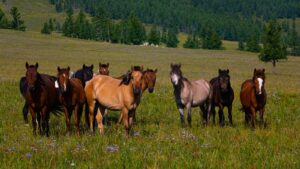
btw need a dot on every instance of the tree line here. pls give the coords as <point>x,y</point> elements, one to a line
<point>16,23</point>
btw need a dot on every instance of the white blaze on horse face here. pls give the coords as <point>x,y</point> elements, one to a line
<point>260,84</point>
<point>65,86</point>
<point>56,84</point>
<point>174,78</point>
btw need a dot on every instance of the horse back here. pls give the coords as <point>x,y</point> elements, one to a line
<point>247,94</point>
<point>201,90</point>
<point>49,91</point>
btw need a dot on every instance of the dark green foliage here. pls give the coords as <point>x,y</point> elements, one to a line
<point>50,24</point>
<point>273,49</point>
<point>68,26</point>
<point>164,35</point>
<point>210,39</point>
<point>102,24</point>
<point>136,30</point>
<point>241,45</point>
<point>192,42</point>
<point>154,36</point>
<point>293,40</point>
<point>3,20</point>
<point>115,33</point>
<point>82,27</point>
<point>172,40</point>
<point>252,44</point>
<point>17,23</point>
<point>46,29</point>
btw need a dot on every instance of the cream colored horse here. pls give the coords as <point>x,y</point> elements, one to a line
<point>105,92</point>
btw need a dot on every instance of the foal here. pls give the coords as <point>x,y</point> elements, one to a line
<point>223,96</point>
<point>190,94</point>
<point>254,97</point>
<point>71,96</point>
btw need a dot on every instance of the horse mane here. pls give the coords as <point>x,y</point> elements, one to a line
<point>125,79</point>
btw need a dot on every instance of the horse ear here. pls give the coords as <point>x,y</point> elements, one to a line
<point>220,71</point>
<point>68,68</point>
<point>36,65</point>
<point>263,70</point>
<point>107,65</point>
<point>83,66</point>
<point>99,64</point>
<point>155,71</point>
<point>27,65</point>
<point>142,67</point>
<point>227,71</point>
<point>58,68</point>
<point>179,65</point>
<point>132,68</point>
<point>171,65</point>
<point>254,72</point>
<point>92,66</point>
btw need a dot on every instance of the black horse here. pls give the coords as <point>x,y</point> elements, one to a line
<point>85,74</point>
<point>223,96</point>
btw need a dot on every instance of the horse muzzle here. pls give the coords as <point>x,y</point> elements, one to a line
<point>150,90</point>
<point>136,91</point>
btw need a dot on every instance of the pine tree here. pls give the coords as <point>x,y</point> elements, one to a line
<point>294,40</point>
<point>154,36</point>
<point>273,49</point>
<point>192,42</point>
<point>164,35</point>
<point>241,45</point>
<point>68,26</point>
<point>102,24</point>
<point>17,23</point>
<point>136,30</point>
<point>252,44</point>
<point>172,40</point>
<point>216,42</point>
<point>115,33</point>
<point>210,39</point>
<point>50,24</point>
<point>46,29</point>
<point>3,20</point>
<point>124,27</point>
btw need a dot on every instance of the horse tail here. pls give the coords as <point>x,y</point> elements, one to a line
<point>57,110</point>
<point>23,85</point>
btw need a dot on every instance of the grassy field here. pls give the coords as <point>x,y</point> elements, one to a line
<point>159,140</point>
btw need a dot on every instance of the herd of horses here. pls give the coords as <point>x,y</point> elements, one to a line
<point>96,93</point>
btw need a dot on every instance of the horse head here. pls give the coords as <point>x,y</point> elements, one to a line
<point>259,80</point>
<point>87,72</point>
<point>176,74</point>
<point>63,75</point>
<point>32,76</point>
<point>149,79</point>
<point>224,80</point>
<point>103,69</point>
<point>135,78</point>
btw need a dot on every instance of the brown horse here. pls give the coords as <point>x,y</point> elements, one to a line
<point>71,96</point>
<point>223,96</point>
<point>149,81</point>
<point>103,69</point>
<point>105,92</point>
<point>41,98</point>
<point>254,97</point>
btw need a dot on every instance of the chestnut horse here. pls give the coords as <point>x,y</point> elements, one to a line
<point>103,69</point>
<point>71,96</point>
<point>85,74</point>
<point>223,96</point>
<point>254,97</point>
<point>41,98</point>
<point>149,81</point>
<point>105,92</point>
<point>190,94</point>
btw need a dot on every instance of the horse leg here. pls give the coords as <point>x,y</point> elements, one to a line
<point>91,114</point>
<point>189,115</point>
<point>213,111</point>
<point>66,110</point>
<point>131,116</point>
<point>209,106</point>
<point>221,115</point>
<point>45,121</point>
<point>261,113</point>
<point>204,115</point>
<point>230,114</point>
<point>25,112</point>
<point>181,113</point>
<point>253,116</point>
<point>125,119</point>
<point>39,122</point>
<point>33,120</point>
<point>99,118</point>
<point>86,115</point>
<point>77,115</point>
<point>120,118</point>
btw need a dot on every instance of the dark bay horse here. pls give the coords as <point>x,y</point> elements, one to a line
<point>105,92</point>
<point>85,74</point>
<point>190,94</point>
<point>71,96</point>
<point>41,98</point>
<point>254,97</point>
<point>103,69</point>
<point>223,96</point>
<point>149,81</point>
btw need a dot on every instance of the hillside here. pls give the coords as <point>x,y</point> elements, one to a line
<point>34,12</point>
<point>159,141</point>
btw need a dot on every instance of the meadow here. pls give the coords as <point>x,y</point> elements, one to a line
<point>158,140</point>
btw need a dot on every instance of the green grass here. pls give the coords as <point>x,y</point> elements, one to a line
<point>161,142</point>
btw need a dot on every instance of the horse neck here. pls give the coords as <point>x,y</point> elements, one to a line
<point>178,88</point>
<point>144,85</point>
<point>129,88</point>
